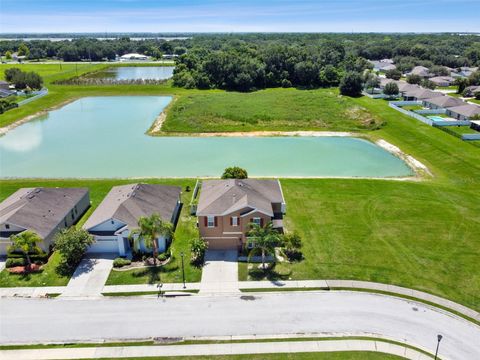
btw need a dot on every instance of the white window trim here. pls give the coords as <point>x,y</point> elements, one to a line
<point>235,221</point>
<point>257,220</point>
<point>210,221</point>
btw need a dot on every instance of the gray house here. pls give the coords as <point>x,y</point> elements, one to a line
<point>463,112</point>
<point>442,102</point>
<point>442,80</point>
<point>419,94</point>
<point>420,71</point>
<point>117,215</point>
<point>42,210</point>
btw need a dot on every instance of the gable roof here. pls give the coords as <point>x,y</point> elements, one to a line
<point>40,209</point>
<point>420,70</point>
<point>445,101</point>
<point>222,197</point>
<point>127,203</point>
<point>466,110</point>
<point>442,79</point>
<point>421,93</point>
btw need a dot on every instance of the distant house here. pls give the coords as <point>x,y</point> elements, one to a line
<point>420,71</point>
<point>227,208</point>
<point>442,80</point>
<point>383,65</point>
<point>42,210</point>
<point>6,93</point>
<point>133,57</point>
<point>463,112</point>
<point>169,56</point>
<point>4,85</point>
<point>471,91</point>
<point>475,125</point>
<point>442,102</point>
<point>117,215</point>
<point>418,94</point>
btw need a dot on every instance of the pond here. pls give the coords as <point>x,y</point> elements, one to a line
<point>104,137</point>
<point>134,73</point>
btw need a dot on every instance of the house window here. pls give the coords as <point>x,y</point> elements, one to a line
<point>257,221</point>
<point>234,221</point>
<point>250,244</point>
<point>210,221</point>
<point>7,226</point>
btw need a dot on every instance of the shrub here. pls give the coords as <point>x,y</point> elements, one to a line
<point>292,243</point>
<point>234,172</point>
<point>12,262</point>
<point>351,84</point>
<point>120,262</point>
<point>72,244</point>
<point>163,256</point>
<point>197,250</point>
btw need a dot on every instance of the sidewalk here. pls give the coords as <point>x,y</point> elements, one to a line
<point>283,347</point>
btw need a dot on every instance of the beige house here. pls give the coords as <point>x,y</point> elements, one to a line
<point>44,211</point>
<point>442,102</point>
<point>227,208</point>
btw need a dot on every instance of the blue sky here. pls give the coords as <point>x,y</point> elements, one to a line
<point>239,16</point>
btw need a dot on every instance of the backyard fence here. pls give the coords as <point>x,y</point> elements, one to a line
<point>431,111</point>
<point>465,137</point>
<point>397,106</point>
<point>451,123</point>
<point>38,95</point>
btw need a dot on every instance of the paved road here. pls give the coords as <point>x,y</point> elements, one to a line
<point>40,320</point>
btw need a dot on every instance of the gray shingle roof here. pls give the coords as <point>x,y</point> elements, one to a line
<point>466,110</point>
<point>422,93</point>
<point>40,209</point>
<point>445,101</point>
<point>127,203</point>
<point>222,197</point>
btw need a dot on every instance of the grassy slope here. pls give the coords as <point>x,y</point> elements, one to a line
<point>185,231</point>
<point>271,109</point>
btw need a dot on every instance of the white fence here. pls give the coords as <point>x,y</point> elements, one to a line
<point>38,95</point>
<point>397,106</point>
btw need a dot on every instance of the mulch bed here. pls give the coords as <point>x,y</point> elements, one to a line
<point>22,269</point>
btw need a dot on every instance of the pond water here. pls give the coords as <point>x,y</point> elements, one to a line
<point>104,137</point>
<point>135,73</point>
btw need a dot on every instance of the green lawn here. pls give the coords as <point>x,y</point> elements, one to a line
<point>461,129</point>
<point>47,277</point>
<point>185,231</point>
<point>271,109</point>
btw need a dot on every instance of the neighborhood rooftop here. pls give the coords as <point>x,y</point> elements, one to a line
<point>219,197</point>
<point>467,110</point>
<point>127,203</point>
<point>40,209</point>
<point>445,101</point>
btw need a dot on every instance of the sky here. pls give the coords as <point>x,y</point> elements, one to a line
<point>43,16</point>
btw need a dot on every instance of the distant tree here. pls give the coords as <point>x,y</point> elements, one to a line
<point>461,84</point>
<point>11,73</point>
<point>179,50</point>
<point>351,84</point>
<point>23,80</point>
<point>8,55</point>
<point>372,81</point>
<point>37,54</point>
<point>328,76</point>
<point>428,84</point>
<point>23,50</point>
<point>439,70</point>
<point>391,89</point>
<point>414,79</point>
<point>72,243</point>
<point>234,172</point>
<point>33,80</point>
<point>394,74</point>
<point>26,242</point>
<point>474,78</point>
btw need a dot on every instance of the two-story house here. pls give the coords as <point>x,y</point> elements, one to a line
<point>226,209</point>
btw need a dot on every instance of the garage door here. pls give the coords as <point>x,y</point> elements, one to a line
<point>224,244</point>
<point>105,245</point>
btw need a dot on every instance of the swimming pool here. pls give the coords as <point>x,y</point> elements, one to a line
<point>438,118</point>
<point>104,137</point>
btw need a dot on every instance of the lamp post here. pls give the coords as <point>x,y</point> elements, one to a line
<point>439,338</point>
<point>183,271</point>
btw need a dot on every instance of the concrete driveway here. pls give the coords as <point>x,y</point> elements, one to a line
<point>90,276</point>
<point>2,262</point>
<point>220,272</point>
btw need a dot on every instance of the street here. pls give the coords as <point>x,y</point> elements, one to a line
<point>335,313</point>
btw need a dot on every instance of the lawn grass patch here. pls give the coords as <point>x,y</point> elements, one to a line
<point>48,276</point>
<point>271,109</point>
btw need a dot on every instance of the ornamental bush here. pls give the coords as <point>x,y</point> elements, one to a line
<point>120,262</point>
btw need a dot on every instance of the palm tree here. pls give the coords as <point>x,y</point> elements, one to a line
<point>27,242</point>
<point>265,239</point>
<point>149,230</point>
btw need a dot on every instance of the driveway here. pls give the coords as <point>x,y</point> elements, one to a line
<point>90,276</point>
<point>331,313</point>
<point>2,262</point>
<point>220,272</point>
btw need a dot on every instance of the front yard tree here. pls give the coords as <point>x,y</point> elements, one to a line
<point>26,242</point>
<point>394,74</point>
<point>351,84</point>
<point>72,243</point>
<point>149,230</point>
<point>371,82</point>
<point>414,79</point>
<point>235,172</point>
<point>265,238</point>
<point>391,89</point>
<point>197,249</point>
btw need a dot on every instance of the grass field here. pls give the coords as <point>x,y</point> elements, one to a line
<point>271,109</point>
<point>185,231</point>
